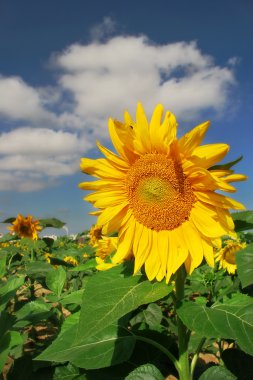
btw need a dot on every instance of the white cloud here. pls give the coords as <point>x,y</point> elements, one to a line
<point>21,101</point>
<point>95,81</point>
<point>107,78</point>
<point>37,157</point>
<point>101,30</point>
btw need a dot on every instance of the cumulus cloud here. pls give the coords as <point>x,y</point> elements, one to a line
<point>95,81</point>
<point>37,157</point>
<point>22,102</point>
<point>106,78</point>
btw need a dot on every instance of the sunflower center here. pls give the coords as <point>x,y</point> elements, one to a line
<point>24,229</point>
<point>230,252</point>
<point>159,194</point>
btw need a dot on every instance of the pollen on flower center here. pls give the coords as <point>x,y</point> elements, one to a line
<point>160,195</point>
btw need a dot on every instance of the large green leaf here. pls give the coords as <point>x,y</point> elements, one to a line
<point>55,280</point>
<point>8,290</point>
<point>217,373</point>
<point>232,319</point>
<point>243,220</point>
<point>51,222</point>
<point>111,294</point>
<point>244,261</point>
<point>110,346</point>
<point>145,372</point>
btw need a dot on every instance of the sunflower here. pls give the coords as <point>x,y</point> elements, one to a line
<point>226,255</point>
<point>70,260</point>
<point>159,193</point>
<point>95,234</point>
<point>25,227</point>
<point>106,246</point>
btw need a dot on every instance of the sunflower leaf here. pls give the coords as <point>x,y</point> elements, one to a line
<point>144,372</point>
<point>55,280</point>
<point>111,294</point>
<point>243,220</point>
<point>8,220</point>
<point>226,166</point>
<point>51,222</point>
<point>232,319</point>
<point>110,346</point>
<point>217,373</point>
<point>244,262</point>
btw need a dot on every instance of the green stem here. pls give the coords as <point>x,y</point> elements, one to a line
<point>183,334</point>
<point>161,348</point>
<point>195,357</point>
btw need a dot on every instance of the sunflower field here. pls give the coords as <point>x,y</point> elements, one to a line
<point>161,285</point>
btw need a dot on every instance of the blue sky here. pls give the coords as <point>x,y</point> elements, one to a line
<point>67,66</point>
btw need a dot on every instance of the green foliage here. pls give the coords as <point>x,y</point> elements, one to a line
<point>244,261</point>
<point>55,280</point>
<point>145,372</point>
<point>243,220</point>
<point>51,222</point>
<point>65,321</point>
<point>226,166</point>
<point>231,319</point>
<point>217,373</point>
<point>111,294</point>
<point>109,346</point>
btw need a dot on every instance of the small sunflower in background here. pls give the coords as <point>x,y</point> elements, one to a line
<point>95,234</point>
<point>71,260</point>
<point>25,227</point>
<point>106,246</point>
<point>226,255</point>
<point>159,193</point>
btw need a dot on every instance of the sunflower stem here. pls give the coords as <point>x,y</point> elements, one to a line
<point>161,348</point>
<point>196,355</point>
<point>183,333</point>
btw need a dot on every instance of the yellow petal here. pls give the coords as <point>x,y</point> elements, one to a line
<point>206,224</point>
<point>122,139</point>
<point>235,178</point>
<point>219,200</point>
<point>208,252</point>
<point>152,263</point>
<point>106,199</point>
<point>142,130</point>
<point>192,139</point>
<point>101,185</point>
<point>143,249</point>
<point>113,159</point>
<point>208,155</point>
<point>109,213</point>
<point>194,244</point>
<point>100,168</point>
<point>125,242</point>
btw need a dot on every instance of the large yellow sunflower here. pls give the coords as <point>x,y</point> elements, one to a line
<point>25,227</point>
<point>159,193</point>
